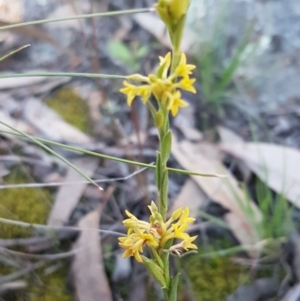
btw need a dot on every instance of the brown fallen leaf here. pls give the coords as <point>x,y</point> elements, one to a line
<point>190,195</point>
<point>160,32</point>
<point>88,269</point>
<point>276,165</point>
<point>17,124</point>
<point>224,191</point>
<point>10,83</point>
<point>227,137</point>
<point>68,196</point>
<point>50,124</point>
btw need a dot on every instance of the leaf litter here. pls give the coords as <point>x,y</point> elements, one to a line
<point>191,153</point>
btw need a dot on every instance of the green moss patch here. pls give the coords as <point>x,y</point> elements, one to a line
<point>23,204</point>
<point>71,107</point>
<point>33,206</point>
<point>212,279</point>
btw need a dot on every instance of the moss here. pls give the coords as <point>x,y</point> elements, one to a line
<point>71,107</point>
<point>33,206</point>
<point>28,205</point>
<point>43,287</point>
<point>212,279</point>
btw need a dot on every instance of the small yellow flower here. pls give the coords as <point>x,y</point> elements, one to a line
<point>156,233</point>
<point>187,84</point>
<point>134,243</point>
<point>175,102</point>
<point>184,70</point>
<point>185,244</point>
<point>162,85</point>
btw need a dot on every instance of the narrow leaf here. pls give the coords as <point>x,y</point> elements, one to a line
<point>166,147</point>
<point>155,271</point>
<point>174,288</point>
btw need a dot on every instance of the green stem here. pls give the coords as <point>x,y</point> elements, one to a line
<point>45,147</point>
<point>69,74</point>
<point>162,167</point>
<point>13,52</point>
<point>96,15</point>
<point>84,151</point>
<point>176,55</point>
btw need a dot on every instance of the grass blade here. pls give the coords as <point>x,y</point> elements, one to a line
<point>45,147</point>
<point>13,52</point>
<point>70,74</point>
<point>95,154</point>
<point>86,16</point>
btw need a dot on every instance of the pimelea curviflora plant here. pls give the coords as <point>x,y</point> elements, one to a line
<point>172,76</point>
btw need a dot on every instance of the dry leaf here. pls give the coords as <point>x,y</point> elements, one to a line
<point>293,294</point>
<point>68,196</point>
<point>276,165</point>
<point>88,269</point>
<point>17,124</point>
<point>224,191</point>
<point>10,83</point>
<point>62,11</point>
<point>190,195</point>
<point>51,124</point>
<point>160,32</point>
<point>228,136</point>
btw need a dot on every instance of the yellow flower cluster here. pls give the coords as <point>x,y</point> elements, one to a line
<point>156,233</point>
<point>163,86</point>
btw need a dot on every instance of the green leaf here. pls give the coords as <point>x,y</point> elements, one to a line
<point>235,62</point>
<point>174,288</point>
<point>121,52</point>
<point>142,51</point>
<point>166,145</point>
<point>159,119</point>
<point>164,192</point>
<point>155,271</point>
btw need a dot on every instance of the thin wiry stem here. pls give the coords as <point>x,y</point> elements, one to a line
<point>55,184</point>
<point>81,150</point>
<point>13,52</point>
<point>86,16</point>
<point>68,74</point>
<point>46,227</point>
<point>53,153</point>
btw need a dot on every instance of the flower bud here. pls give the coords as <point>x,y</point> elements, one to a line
<point>171,11</point>
<point>173,14</point>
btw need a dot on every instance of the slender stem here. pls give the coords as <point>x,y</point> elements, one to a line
<point>176,54</point>
<point>162,168</point>
<point>96,15</point>
<point>13,52</point>
<point>70,74</point>
<point>42,145</point>
<point>84,151</point>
